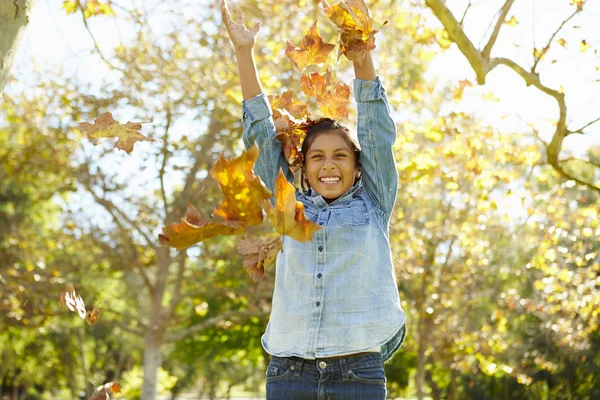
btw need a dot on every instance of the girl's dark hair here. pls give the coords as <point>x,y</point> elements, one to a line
<point>328,124</point>
<point>322,125</point>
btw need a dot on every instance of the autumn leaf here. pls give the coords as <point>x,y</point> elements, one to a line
<point>258,253</point>
<point>194,228</point>
<point>358,36</point>
<point>287,217</point>
<point>312,49</point>
<point>458,92</point>
<point>562,42</point>
<point>333,99</point>
<point>286,101</point>
<point>102,391</point>
<point>106,127</point>
<point>584,46</point>
<point>243,191</point>
<point>512,21</point>
<point>73,302</point>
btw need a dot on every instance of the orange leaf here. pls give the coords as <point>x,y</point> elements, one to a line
<point>297,109</point>
<point>312,49</point>
<point>102,391</point>
<point>106,127</point>
<point>288,216</point>
<point>354,17</point>
<point>258,253</point>
<point>333,99</point>
<point>194,228</point>
<point>243,191</point>
<point>92,316</point>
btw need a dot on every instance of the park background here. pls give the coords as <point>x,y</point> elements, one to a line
<point>495,234</point>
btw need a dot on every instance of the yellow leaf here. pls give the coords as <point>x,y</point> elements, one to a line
<point>550,255</point>
<point>512,21</point>
<point>584,46</point>
<point>490,97</point>
<point>562,42</point>
<point>452,186</point>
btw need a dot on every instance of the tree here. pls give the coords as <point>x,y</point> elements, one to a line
<point>14,18</point>
<point>482,62</point>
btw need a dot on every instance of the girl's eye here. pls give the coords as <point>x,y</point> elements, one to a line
<point>341,155</point>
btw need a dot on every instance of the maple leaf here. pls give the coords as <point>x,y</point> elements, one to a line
<point>287,217</point>
<point>243,191</point>
<point>333,99</point>
<point>106,127</point>
<point>258,253</point>
<point>358,36</point>
<point>194,228</point>
<point>312,49</point>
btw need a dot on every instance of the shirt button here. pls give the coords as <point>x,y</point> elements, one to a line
<point>319,275</point>
<point>318,303</point>
<point>320,248</point>
<point>322,364</point>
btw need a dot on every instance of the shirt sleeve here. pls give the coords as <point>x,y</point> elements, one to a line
<point>376,135</point>
<point>260,129</point>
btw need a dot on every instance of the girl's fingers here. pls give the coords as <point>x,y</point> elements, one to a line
<point>325,3</point>
<point>256,27</point>
<point>238,16</point>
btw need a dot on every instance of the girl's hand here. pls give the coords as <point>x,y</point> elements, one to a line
<point>240,36</point>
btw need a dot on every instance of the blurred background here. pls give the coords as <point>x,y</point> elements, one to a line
<point>495,234</point>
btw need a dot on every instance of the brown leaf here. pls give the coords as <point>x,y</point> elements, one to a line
<point>243,191</point>
<point>288,216</point>
<point>106,127</point>
<point>258,253</point>
<point>333,98</point>
<point>102,391</point>
<point>92,316</point>
<point>358,36</point>
<point>194,228</point>
<point>312,49</point>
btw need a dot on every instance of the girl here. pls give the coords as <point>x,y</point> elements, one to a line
<point>336,314</point>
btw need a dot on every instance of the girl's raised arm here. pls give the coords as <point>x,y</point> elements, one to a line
<point>256,110</point>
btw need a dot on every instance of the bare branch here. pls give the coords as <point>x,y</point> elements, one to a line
<point>580,130</point>
<point>566,160</point>
<point>165,153</point>
<point>458,36</point>
<point>487,50</point>
<point>547,47</point>
<point>80,6</point>
<point>462,20</point>
<point>176,297</point>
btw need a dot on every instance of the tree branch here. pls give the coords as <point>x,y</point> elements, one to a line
<point>580,130</point>
<point>487,50</point>
<point>547,47</point>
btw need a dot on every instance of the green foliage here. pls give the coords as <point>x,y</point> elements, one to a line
<point>131,386</point>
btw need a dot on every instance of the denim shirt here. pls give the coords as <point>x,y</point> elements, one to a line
<point>336,294</point>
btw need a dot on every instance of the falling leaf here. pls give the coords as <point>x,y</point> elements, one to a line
<point>288,216</point>
<point>562,42</point>
<point>333,98</point>
<point>106,127</point>
<point>538,54</point>
<point>358,36</point>
<point>258,253</point>
<point>286,101</point>
<point>73,302</point>
<point>243,191</point>
<point>194,228</point>
<point>92,316</point>
<point>312,49</point>
<point>490,97</point>
<point>102,391</point>
<point>584,46</point>
<point>512,21</point>
<point>458,92</point>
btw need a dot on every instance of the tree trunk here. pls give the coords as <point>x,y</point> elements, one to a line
<point>152,361</point>
<point>14,18</point>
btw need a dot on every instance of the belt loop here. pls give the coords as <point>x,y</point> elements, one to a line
<point>343,369</point>
<point>298,367</point>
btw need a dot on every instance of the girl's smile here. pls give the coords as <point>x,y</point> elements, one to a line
<point>330,165</point>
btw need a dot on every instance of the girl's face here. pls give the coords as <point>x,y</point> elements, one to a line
<point>330,165</point>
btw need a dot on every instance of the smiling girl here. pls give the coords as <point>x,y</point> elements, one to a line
<point>336,316</point>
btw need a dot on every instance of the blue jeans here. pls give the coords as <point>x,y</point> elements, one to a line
<point>354,377</point>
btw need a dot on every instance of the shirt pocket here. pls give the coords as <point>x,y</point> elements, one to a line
<point>352,214</point>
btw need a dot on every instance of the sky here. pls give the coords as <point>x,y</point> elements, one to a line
<point>53,38</point>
